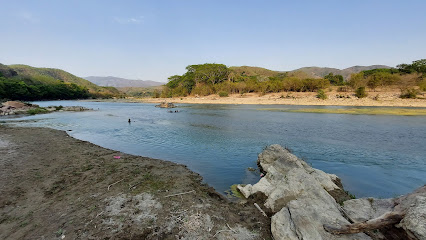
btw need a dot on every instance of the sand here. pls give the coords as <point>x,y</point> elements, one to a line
<point>375,98</point>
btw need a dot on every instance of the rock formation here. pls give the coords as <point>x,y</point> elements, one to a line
<point>15,107</point>
<point>165,105</point>
<point>302,202</point>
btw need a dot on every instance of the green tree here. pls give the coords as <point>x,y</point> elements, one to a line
<point>360,92</point>
<point>357,80</point>
<point>336,80</point>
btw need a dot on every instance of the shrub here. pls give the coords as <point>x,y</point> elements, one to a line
<point>202,90</point>
<point>360,92</point>
<point>343,89</point>
<point>376,97</point>
<point>321,94</point>
<point>409,93</point>
<point>37,111</point>
<point>223,94</point>
<point>422,85</point>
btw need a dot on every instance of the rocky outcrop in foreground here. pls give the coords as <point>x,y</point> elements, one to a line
<point>302,202</point>
<point>16,107</point>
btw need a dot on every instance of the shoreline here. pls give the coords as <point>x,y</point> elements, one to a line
<point>54,185</point>
<point>374,99</point>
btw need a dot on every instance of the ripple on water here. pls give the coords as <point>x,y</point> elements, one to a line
<point>379,156</point>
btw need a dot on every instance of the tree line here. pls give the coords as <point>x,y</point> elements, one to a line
<point>211,78</point>
<point>405,76</point>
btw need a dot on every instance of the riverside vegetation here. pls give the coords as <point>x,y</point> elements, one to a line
<point>209,78</point>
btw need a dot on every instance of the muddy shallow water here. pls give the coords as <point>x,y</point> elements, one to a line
<point>379,156</point>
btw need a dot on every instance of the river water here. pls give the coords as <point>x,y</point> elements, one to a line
<point>378,156</point>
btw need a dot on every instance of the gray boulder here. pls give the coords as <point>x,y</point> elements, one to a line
<point>413,207</point>
<point>414,222</point>
<point>298,196</point>
<point>303,203</point>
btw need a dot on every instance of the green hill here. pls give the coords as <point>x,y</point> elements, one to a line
<point>22,82</point>
<point>49,75</point>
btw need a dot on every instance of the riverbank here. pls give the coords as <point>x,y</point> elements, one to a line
<point>55,186</point>
<point>374,99</point>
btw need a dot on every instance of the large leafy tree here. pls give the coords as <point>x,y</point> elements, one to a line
<point>209,73</point>
<point>417,66</point>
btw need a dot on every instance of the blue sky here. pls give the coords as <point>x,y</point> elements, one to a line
<point>152,40</point>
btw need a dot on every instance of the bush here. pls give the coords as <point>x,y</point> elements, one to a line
<point>409,93</point>
<point>37,111</point>
<point>321,94</point>
<point>360,92</point>
<point>223,94</point>
<point>202,90</point>
<point>343,89</point>
<point>422,85</point>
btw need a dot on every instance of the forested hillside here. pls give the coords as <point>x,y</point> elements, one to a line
<point>21,82</point>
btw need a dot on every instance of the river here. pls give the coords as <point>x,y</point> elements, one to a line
<point>378,156</point>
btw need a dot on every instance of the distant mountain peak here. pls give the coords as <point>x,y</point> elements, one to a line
<point>322,71</point>
<point>111,81</point>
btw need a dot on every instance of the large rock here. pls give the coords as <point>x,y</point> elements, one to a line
<point>414,221</point>
<point>165,105</point>
<point>14,107</point>
<point>15,104</point>
<point>413,205</point>
<point>298,196</point>
<point>293,176</point>
<point>302,200</point>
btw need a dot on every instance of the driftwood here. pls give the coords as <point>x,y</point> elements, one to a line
<point>387,219</point>
<point>177,194</point>
<point>109,186</point>
<point>263,212</point>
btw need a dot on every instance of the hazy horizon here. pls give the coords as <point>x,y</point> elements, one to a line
<point>148,40</point>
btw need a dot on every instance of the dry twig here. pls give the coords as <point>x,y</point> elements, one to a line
<point>178,194</point>
<point>114,183</point>
<point>263,213</point>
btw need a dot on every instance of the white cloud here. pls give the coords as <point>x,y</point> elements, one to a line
<point>132,20</point>
<point>27,17</point>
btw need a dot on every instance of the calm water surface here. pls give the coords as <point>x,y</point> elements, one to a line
<point>380,156</point>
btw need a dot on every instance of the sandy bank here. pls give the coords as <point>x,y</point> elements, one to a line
<point>378,98</point>
<point>52,185</point>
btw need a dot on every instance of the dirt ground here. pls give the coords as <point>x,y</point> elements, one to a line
<point>378,97</point>
<point>53,186</point>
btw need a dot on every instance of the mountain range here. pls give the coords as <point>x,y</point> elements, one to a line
<point>346,73</point>
<point>314,72</point>
<point>117,82</point>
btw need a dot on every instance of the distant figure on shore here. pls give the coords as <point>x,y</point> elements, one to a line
<point>129,120</point>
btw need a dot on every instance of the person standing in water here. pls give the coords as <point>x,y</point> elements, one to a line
<point>129,120</point>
